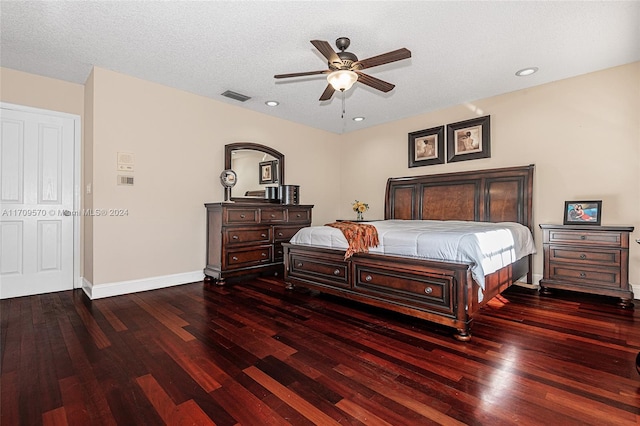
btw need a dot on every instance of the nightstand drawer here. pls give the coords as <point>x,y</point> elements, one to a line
<point>584,275</point>
<point>591,238</point>
<point>580,256</point>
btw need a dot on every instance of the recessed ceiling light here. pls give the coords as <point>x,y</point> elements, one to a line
<point>526,71</point>
<point>272,103</point>
<point>358,118</point>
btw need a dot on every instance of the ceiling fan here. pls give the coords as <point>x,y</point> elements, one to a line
<point>345,67</point>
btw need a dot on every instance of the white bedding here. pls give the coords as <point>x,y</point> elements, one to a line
<point>489,246</point>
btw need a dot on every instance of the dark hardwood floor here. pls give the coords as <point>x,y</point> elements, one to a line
<point>253,353</point>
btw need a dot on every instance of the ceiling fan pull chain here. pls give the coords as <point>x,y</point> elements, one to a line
<point>342,104</point>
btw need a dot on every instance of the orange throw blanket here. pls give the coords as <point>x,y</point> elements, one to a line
<point>359,236</point>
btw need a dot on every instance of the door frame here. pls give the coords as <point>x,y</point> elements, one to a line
<point>77,165</point>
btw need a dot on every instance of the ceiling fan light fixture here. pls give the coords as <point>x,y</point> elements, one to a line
<point>342,80</point>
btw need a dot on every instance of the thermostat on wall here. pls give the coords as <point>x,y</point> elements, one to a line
<point>125,161</point>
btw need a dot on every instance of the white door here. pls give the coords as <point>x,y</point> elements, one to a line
<point>37,195</point>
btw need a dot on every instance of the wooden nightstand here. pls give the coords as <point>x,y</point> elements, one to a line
<point>589,259</point>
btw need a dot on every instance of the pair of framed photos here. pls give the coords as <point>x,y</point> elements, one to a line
<point>466,140</point>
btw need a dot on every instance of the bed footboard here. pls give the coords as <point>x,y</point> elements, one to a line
<point>439,292</point>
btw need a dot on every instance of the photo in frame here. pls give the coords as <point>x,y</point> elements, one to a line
<point>266,172</point>
<point>582,212</point>
<point>426,147</point>
<point>469,140</point>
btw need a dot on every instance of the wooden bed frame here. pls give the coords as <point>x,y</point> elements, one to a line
<point>436,291</point>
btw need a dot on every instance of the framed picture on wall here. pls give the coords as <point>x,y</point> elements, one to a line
<point>582,212</point>
<point>426,147</point>
<point>469,140</point>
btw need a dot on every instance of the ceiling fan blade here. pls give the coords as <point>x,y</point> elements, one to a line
<point>326,50</point>
<point>301,74</point>
<point>328,92</point>
<point>385,58</point>
<point>376,83</point>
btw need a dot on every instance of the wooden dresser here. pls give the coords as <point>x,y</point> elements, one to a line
<point>589,259</point>
<point>246,238</point>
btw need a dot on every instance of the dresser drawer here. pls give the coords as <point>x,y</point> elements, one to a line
<point>584,275</point>
<point>428,292</point>
<point>248,256</point>
<point>284,233</point>
<point>247,235</point>
<point>579,255</point>
<point>273,215</point>
<point>299,214</point>
<point>591,238</point>
<point>237,216</point>
<point>331,272</point>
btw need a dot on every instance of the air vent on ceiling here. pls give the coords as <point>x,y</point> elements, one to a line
<point>237,96</point>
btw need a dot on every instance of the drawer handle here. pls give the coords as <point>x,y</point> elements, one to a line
<point>368,278</point>
<point>299,264</point>
<point>583,256</point>
<point>428,290</point>
<point>298,215</point>
<point>583,237</point>
<point>272,216</point>
<point>583,275</point>
<point>263,235</point>
<point>264,254</point>
<point>242,216</point>
<point>234,258</point>
<point>235,237</point>
<point>336,272</point>
<point>280,234</point>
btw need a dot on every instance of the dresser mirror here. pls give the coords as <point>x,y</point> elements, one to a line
<point>257,167</point>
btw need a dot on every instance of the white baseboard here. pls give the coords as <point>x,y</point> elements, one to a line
<point>133,286</point>
<point>636,290</point>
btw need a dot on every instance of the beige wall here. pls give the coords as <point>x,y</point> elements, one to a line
<point>178,141</point>
<point>41,92</point>
<point>582,134</point>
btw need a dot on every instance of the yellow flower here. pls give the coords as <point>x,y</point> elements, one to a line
<point>359,206</point>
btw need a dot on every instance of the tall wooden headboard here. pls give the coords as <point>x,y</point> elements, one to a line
<point>494,195</point>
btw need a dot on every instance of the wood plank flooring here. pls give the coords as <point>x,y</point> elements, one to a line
<point>252,353</point>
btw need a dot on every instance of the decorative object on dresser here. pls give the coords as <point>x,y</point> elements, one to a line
<point>246,238</point>
<point>589,259</point>
<point>582,212</point>
<point>443,292</point>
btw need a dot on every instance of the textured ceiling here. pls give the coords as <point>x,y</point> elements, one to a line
<point>461,51</point>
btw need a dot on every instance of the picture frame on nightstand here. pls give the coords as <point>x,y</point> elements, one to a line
<point>582,212</point>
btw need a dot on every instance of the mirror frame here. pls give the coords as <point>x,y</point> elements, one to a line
<point>229,148</point>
